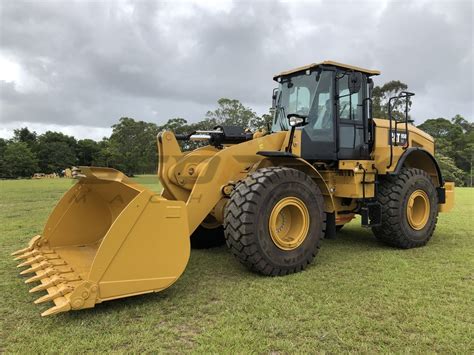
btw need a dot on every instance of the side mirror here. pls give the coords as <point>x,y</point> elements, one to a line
<point>296,120</point>
<point>355,82</point>
<point>274,97</point>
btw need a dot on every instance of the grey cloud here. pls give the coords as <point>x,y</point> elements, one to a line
<point>93,62</point>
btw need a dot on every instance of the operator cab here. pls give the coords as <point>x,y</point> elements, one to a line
<point>334,101</point>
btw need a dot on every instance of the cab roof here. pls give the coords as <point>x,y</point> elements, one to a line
<point>327,63</point>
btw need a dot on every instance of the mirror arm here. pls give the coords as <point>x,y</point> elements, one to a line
<point>290,140</point>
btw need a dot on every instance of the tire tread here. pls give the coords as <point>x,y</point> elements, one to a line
<point>389,195</point>
<point>239,217</point>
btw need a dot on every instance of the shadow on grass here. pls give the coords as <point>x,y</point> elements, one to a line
<point>355,237</point>
<point>206,265</point>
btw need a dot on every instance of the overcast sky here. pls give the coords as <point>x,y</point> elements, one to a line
<point>77,67</point>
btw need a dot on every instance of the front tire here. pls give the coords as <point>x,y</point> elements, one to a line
<point>409,203</point>
<point>274,221</point>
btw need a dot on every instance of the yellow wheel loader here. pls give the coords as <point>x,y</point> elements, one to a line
<point>272,196</point>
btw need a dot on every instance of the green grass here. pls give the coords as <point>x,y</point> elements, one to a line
<point>358,295</point>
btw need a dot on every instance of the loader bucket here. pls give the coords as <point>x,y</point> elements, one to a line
<point>107,238</point>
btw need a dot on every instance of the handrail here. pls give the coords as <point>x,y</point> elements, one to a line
<point>402,95</point>
<point>369,117</point>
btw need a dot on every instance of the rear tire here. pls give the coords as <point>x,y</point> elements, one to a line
<point>274,221</point>
<point>409,203</point>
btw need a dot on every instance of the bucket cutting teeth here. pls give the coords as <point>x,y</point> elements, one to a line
<point>43,265</point>
<point>39,277</point>
<point>61,291</point>
<point>22,251</point>
<point>38,259</point>
<point>62,305</point>
<point>56,280</point>
<point>44,286</point>
<point>47,273</point>
<point>34,260</point>
<point>30,247</point>
<point>27,255</point>
<point>33,253</point>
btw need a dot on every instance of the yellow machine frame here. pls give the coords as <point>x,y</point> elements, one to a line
<point>110,237</point>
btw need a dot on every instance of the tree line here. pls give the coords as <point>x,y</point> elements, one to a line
<point>131,147</point>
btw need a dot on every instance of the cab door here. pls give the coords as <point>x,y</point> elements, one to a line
<point>351,91</point>
<point>318,136</point>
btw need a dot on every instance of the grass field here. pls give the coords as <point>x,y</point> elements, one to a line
<point>358,295</point>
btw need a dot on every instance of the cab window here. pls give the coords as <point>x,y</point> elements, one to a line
<point>320,118</point>
<point>349,105</point>
<point>299,100</point>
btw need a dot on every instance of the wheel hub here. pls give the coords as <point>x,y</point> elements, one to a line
<point>289,223</point>
<point>418,209</point>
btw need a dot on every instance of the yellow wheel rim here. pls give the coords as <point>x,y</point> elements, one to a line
<point>289,223</point>
<point>418,209</point>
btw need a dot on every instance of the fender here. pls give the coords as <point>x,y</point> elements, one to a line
<point>302,165</point>
<point>419,158</point>
<point>291,161</point>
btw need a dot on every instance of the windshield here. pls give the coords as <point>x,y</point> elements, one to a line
<point>310,95</point>
<point>295,96</point>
